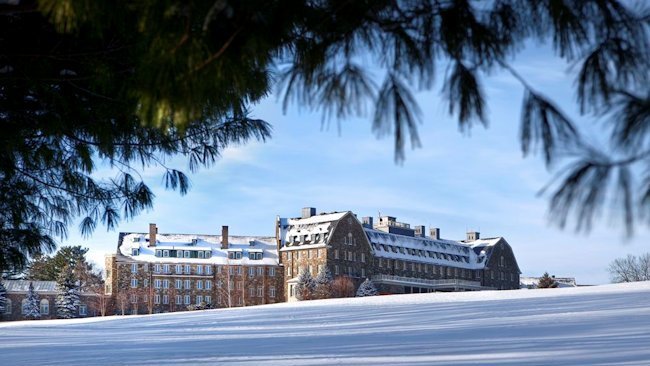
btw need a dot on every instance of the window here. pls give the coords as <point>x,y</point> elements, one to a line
<point>199,299</point>
<point>363,257</point>
<point>188,268</point>
<point>492,275</point>
<point>157,283</point>
<point>251,271</point>
<point>146,282</point>
<point>158,253</point>
<point>502,261</point>
<point>157,268</point>
<point>186,253</point>
<point>187,299</point>
<point>179,284</point>
<point>188,285</point>
<point>165,253</point>
<point>208,254</point>
<point>199,269</point>
<point>165,299</point>
<point>239,285</point>
<point>7,306</point>
<point>208,270</point>
<point>179,299</point>
<point>156,299</point>
<point>165,283</point>
<point>260,271</point>
<point>336,254</point>
<point>199,285</point>
<point>179,269</point>
<point>260,291</point>
<point>135,251</point>
<point>83,310</point>
<point>251,291</point>
<point>134,298</point>
<point>134,268</point>
<point>363,272</point>
<point>336,269</point>
<point>201,254</point>
<point>240,270</point>
<point>24,306</point>
<point>45,307</point>
<point>134,282</point>
<point>271,291</point>
<point>271,271</point>
<point>208,284</point>
<point>166,268</point>
<point>512,277</point>
<point>208,299</point>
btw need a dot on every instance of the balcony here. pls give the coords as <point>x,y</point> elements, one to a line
<point>446,284</point>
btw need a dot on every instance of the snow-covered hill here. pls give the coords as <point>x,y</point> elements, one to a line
<point>602,325</point>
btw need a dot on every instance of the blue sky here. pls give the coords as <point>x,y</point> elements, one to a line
<point>456,181</point>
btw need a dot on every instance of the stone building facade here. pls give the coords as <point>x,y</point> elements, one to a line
<point>46,291</point>
<point>153,273</point>
<point>398,258</point>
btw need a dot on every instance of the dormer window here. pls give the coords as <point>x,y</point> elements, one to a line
<point>255,255</point>
<point>135,251</point>
<point>186,253</point>
<point>165,253</point>
<point>201,255</point>
<point>208,254</point>
<point>158,253</point>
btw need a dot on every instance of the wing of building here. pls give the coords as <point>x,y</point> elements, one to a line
<point>398,258</point>
<point>152,272</point>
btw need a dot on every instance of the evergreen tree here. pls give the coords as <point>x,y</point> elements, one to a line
<point>323,281</point>
<point>3,298</point>
<point>132,84</point>
<point>67,299</point>
<point>546,281</point>
<point>305,286</point>
<point>32,309</point>
<point>367,288</point>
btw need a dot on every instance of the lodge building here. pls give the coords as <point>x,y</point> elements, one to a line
<point>152,272</point>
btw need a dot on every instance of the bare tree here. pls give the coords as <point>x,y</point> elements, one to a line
<point>122,299</point>
<point>343,287</point>
<point>630,269</point>
<point>224,284</point>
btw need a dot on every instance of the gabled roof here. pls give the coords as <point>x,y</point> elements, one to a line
<point>313,231</point>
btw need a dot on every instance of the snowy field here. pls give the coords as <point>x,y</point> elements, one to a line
<point>604,325</point>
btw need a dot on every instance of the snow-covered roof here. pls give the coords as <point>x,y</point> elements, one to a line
<point>23,286</point>
<point>423,249</point>
<point>199,243</point>
<point>313,231</point>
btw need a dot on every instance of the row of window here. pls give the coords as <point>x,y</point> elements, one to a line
<point>426,268</point>
<point>251,255</point>
<point>421,253</point>
<point>179,284</point>
<point>203,269</point>
<point>186,299</point>
<point>309,238</point>
<point>502,276</point>
<point>44,307</point>
<point>165,253</point>
<point>350,256</point>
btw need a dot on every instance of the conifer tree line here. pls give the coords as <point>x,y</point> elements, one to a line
<point>129,85</point>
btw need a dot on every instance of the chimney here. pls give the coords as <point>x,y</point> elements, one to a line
<point>224,237</point>
<point>420,231</point>
<point>434,233</point>
<point>153,230</point>
<point>308,212</point>
<point>473,235</point>
<point>367,221</point>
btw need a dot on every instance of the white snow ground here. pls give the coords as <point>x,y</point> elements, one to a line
<point>602,325</point>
